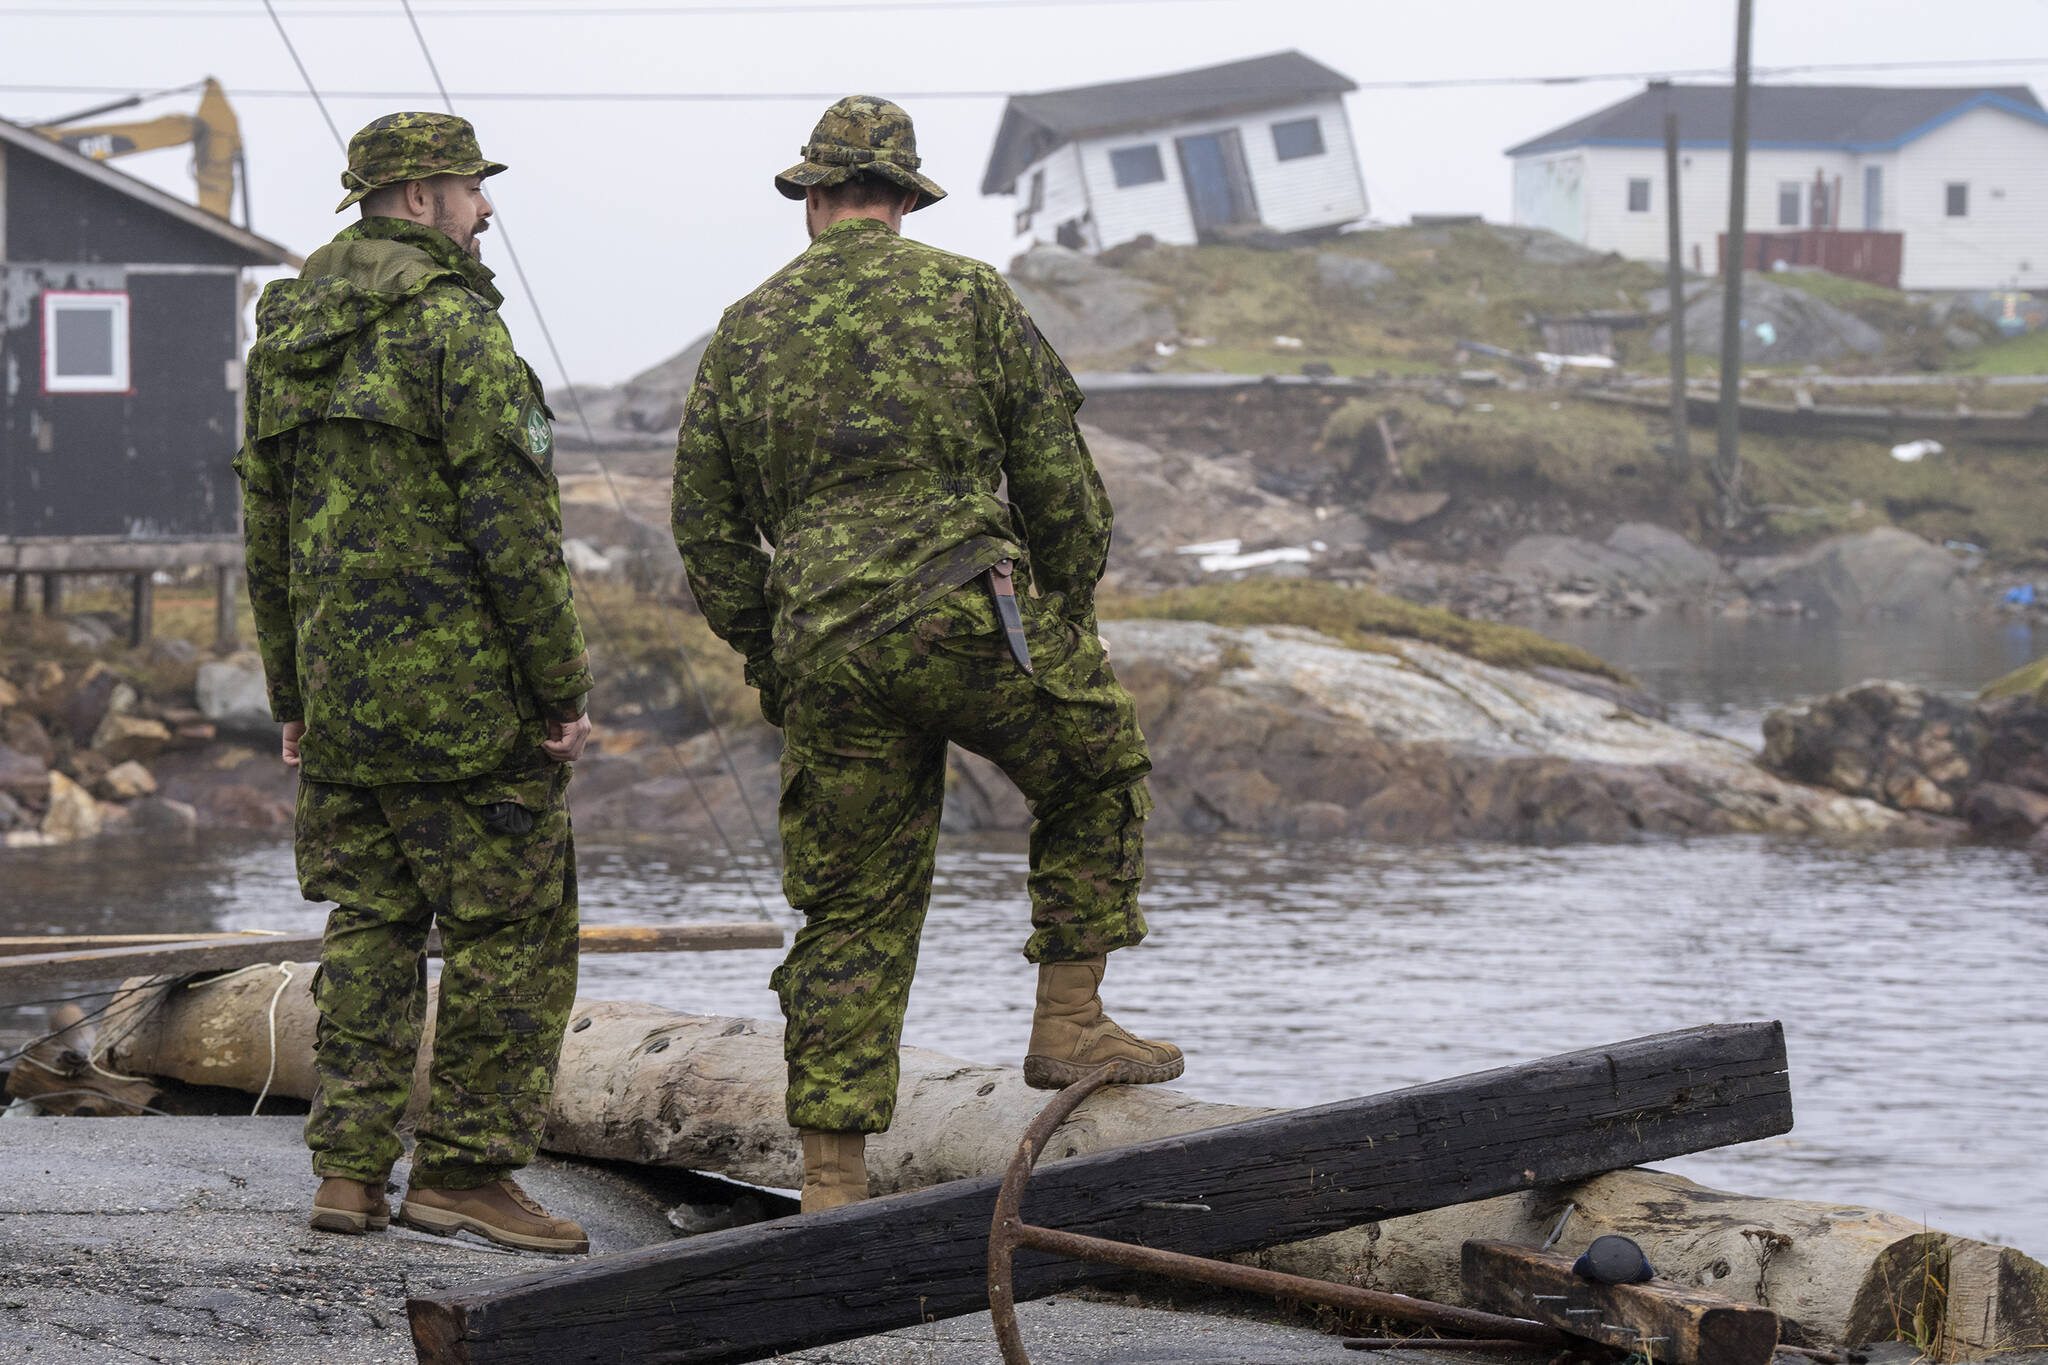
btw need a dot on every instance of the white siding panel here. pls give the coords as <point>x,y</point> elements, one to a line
<point>1703,196</point>
<point>1065,196</point>
<point>1550,193</point>
<point>1308,192</point>
<point>2003,241</point>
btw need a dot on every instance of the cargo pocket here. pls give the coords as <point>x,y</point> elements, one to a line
<point>1131,835</point>
<point>519,1044</point>
<point>510,862</point>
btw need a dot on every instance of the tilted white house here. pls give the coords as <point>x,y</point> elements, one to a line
<point>1961,172</point>
<point>1193,156</point>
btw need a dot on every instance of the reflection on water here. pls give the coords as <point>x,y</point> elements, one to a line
<point>1908,979</point>
<point>1723,675</point>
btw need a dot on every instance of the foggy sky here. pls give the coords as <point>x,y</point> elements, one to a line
<point>639,222</point>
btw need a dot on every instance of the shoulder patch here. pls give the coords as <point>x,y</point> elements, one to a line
<point>540,435</point>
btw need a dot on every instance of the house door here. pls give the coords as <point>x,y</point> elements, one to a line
<point>1219,187</point>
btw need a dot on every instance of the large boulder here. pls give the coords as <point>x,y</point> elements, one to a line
<point>25,777</point>
<point>1904,746</point>
<point>1087,310</point>
<point>1915,750</point>
<point>652,401</point>
<point>1262,729</point>
<point>1638,556</point>
<point>1780,325</point>
<point>1360,276</point>
<point>1884,572</point>
<point>233,695</point>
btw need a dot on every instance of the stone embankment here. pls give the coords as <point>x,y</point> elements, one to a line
<point>93,746</point>
<point>1983,760</point>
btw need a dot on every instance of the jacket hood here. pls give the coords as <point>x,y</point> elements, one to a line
<point>371,268</point>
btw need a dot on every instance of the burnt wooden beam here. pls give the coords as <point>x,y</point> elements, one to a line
<point>227,954</point>
<point>1669,1322</point>
<point>887,1263</point>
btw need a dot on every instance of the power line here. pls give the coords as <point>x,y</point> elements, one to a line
<point>557,11</point>
<point>763,96</point>
<point>583,419</point>
<point>303,73</point>
<point>598,617</point>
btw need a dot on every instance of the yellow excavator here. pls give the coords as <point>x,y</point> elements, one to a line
<point>214,132</point>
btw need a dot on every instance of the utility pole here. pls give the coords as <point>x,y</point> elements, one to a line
<point>1680,459</point>
<point>1727,452</point>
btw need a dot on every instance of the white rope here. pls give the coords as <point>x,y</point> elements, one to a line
<point>271,1075</point>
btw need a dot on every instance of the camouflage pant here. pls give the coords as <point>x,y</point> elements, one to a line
<point>398,858</point>
<point>863,779</point>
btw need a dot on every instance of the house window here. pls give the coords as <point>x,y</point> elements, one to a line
<point>1958,199</point>
<point>1638,194</point>
<point>1873,198</point>
<point>1790,192</point>
<point>1298,138</point>
<point>85,342</point>
<point>1037,200</point>
<point>1136,165</point>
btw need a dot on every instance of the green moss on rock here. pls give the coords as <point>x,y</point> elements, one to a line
<point>1358,617</point>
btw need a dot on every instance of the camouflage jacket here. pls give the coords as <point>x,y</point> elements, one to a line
<point>859,412</point>
<point>404,528</point>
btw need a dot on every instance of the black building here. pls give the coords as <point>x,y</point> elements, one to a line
<point>120,372</point>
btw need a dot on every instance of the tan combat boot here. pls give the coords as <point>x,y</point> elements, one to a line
<point>835,1169</point>
<point>344,1205</point>
<point>499,1211</point>
<point>1071,1036</point>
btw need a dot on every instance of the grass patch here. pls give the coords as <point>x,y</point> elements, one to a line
<point>1840,290</point>
<point>2020,355</point>
<point>1358,617</point>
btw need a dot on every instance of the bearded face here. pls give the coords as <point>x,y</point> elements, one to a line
<point>461,210</point>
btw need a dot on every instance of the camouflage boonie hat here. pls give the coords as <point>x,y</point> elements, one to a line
<point>402,147</point>
<point>861,133</point>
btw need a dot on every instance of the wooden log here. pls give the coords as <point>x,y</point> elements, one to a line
<point>228,954</point>
<point>887,1263</point>
<point>58,1075</point>
<point>1673,1324</point>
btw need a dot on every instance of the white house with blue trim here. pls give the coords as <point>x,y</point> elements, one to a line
<point>1961,172</point>
<point>1195,156</point>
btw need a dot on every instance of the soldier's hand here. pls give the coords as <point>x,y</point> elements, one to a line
<point>566,739</point>
<point>294,731</point>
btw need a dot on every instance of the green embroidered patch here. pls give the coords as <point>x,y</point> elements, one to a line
<point>540,435</point>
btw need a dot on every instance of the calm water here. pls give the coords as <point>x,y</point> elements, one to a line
<point>1908,980</point>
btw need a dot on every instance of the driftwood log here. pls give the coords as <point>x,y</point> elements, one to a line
<point>645,1084</point>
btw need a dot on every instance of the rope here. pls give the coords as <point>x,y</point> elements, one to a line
<point>271,1075</point>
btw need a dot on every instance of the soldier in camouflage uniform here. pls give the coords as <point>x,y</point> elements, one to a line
<point>423,654</point>
<point>859,411</point>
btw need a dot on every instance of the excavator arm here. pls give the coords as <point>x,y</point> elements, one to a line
<point>214,132</point>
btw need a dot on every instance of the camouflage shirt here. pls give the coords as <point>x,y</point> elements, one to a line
<point>404,527</point>
<point>859,412</point>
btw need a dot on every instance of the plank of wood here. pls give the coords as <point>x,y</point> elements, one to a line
<point>1675,1323</point>
<point>887,1263</point>
<point>16,945</point>
<point>226,954</point>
